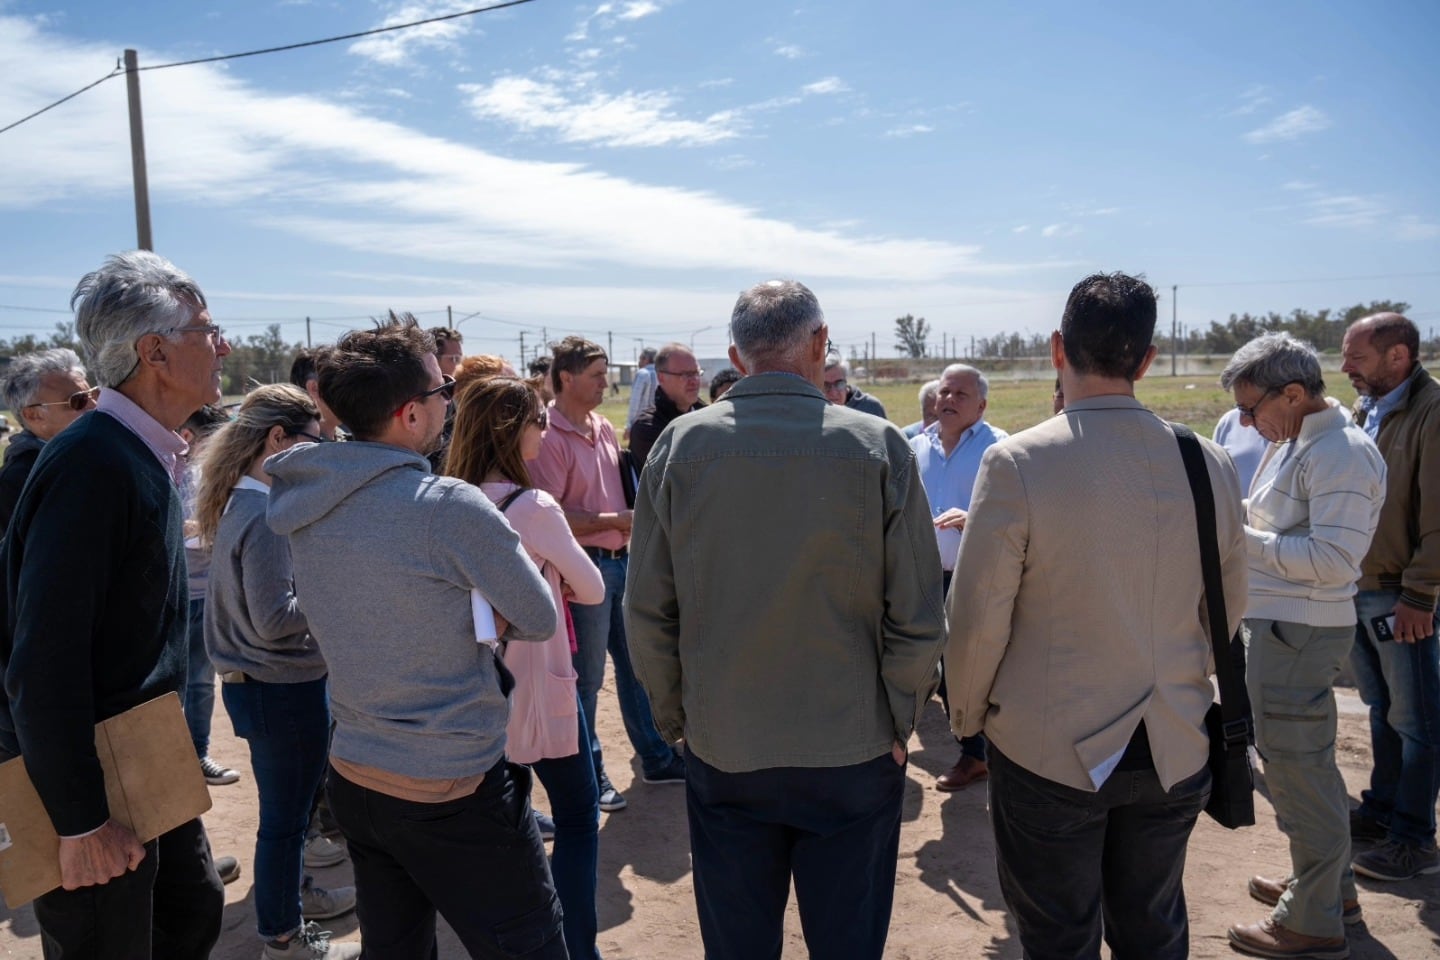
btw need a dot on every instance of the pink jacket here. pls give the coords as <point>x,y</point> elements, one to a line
<point>542,706</point>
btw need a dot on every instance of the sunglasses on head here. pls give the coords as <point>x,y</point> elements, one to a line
<point>80,400</point>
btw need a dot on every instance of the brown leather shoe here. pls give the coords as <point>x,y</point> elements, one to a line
<point>1270,939</point>
<point>967,771</point>
<point>1268,892</point>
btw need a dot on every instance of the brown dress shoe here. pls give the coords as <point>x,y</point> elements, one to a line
<point>1270,939</point>
<point>967,771</point>
<point>1269,891</point>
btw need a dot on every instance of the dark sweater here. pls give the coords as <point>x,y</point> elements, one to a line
<point>95,605</point>
<point>648,426</point>
<point>20,458</point>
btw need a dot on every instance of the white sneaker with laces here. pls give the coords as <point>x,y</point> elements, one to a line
<point>217,774</point>
<point>310,943</point>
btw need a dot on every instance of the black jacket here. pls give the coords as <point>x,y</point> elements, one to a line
<point>647,427</point>
<point>20,457</point>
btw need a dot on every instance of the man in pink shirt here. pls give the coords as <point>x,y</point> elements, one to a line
<point>579,465</point>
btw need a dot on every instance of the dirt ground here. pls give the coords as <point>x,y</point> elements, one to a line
<point>947,898</point>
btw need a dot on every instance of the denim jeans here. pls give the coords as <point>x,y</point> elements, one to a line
<point>169,906</point>
<point>834,830</point>
<point>1069,857</point>
<point>574,794</point>
<point>477,860</point>
<point>598,627</point>
<point>1400,683</point>
<point>288,728</point>
<point>1290,671</point>
<point>198,696</point>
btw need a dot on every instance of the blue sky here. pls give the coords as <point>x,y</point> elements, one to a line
<point>621,169</point>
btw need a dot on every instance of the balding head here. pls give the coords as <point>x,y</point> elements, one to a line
<point>1380,351</point>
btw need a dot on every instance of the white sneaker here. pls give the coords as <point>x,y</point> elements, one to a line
<point>321,851</point>
<point>309,943</point>
<point>217,774</point>
<point>317,903</point>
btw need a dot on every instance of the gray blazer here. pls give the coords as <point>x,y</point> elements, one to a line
<point>1077,606</point>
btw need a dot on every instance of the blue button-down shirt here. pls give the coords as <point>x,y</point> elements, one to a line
<point>1377,410</point>
<point>949,480</point>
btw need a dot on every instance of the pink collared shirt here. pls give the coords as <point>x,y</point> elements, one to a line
<point>167,445</point>
<point>582,474</point>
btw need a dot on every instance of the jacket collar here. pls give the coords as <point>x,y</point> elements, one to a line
<point>772,384</point>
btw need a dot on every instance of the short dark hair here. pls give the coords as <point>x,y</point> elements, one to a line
<point>573,355</point>
<point>206,419</point>
<point>369,374</point>
<point>302,371</point>
<point>1108,325</point>
<point>728,375</point>
<point>441,334</point>
<point>1389,329</point>
<point>539,367</point>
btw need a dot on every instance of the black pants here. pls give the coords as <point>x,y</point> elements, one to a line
<point>835,829</point>
<point>478,860</point>
<point>969,746</point>
<point>1068,858</point>
<point>168,907</point>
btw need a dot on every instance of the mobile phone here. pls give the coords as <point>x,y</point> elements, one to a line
<point>1384,628</point>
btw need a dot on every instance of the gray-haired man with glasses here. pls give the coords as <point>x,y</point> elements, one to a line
<point>46,391</point>
<point>678,378</point>
<point>88,634</point>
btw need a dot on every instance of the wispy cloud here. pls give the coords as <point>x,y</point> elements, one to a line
<point>636,10</point>
<point>608,15</point>
<point>1251,100</point>
<point>1299,185</point>
<point>397,48</point>
<point>790,51</point>
<point>912,130</point>
<point>1368,212</point>
<point>1057,230</point>
<point>1023,228</point>
<point>823,87</point>
<point>1290,126</point>
<point>733,161</point>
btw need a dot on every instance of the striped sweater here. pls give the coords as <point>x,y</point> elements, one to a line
<point>1309,520</point>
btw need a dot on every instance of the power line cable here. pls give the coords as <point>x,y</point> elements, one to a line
<point>255,53</point>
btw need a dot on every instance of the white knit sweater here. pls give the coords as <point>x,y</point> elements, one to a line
<point>1311,513</point>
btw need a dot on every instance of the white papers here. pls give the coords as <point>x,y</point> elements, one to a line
<point>484,615</point>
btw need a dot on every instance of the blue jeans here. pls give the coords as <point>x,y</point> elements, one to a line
<point>1400,683</point>
<point>288,728</point>
<point>199,693</point>
<point>574,794</point>
<point>1069,857</point>
<point>598,627</point>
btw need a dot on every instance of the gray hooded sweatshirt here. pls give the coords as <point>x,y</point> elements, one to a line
<point>385,556</point>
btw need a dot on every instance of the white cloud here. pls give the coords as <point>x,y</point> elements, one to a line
<point>574,115</point>
<point>826,86</point>
<point>1056,230</point>
<point>1411,227</point>
<point>398,47</point>
<point>1252,99</point>
<point>636,10</point>
<point>912,130</point>
<point>1023,228</point>
<point>733,161</point>
<point>790,51</point>
<point>1290,126</point>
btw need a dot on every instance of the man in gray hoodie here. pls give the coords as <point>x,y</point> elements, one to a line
<point>386,558</point>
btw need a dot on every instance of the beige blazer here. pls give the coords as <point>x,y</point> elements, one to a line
<point>1076,609</point>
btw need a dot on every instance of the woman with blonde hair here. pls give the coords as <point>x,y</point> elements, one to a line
<point>274,676</point>
<point>498,423</point>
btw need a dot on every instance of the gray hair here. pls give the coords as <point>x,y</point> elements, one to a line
<point>833,360</point>
<point>966,368</point>
<point>773,320</point>
<point>23,375</point>
<point>929,392</point>
<point>133,294</point>
<point>1273,361</point>
<point>648,354</point>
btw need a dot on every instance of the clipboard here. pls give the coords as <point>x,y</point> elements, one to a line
<point>152,782</point>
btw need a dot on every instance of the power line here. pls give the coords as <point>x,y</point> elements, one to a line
<point>255,53</point>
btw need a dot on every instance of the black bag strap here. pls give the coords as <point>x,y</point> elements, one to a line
<point>510,498</point>
<point>1234,701</point>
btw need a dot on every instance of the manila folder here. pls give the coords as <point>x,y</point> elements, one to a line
<point>152,782</point>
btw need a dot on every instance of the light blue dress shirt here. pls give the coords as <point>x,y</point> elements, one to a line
<point>1377,410</point>
<point>949,481</point>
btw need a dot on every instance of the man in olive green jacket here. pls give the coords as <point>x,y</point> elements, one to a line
<point>784,612</point>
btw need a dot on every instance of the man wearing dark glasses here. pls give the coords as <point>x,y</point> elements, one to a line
<point>46,391</point>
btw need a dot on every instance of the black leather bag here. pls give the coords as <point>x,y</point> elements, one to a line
<point>1229,722</point>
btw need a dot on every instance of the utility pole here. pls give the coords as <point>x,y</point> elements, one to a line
<point>522,349</point>
<point>869,367</point>
<point>308,341</point>
<point>449,317</point>
<point>1174,328</point>
<point>610,343</point>
<point>137,154</point>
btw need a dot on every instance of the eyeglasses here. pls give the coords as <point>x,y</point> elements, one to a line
<point>313,438</point>
<point>211,330</point>
<point>1249,411</point>
<point>836,384</point>
<point>446,390</point>
<point>77,401</point>
<point>685,374</point>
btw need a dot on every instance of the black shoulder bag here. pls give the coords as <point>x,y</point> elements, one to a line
<point>1232,787</point>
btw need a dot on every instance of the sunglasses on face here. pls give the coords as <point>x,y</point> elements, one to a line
<point>313,438</point>
<point>446,390</point>
<point>77,401</point>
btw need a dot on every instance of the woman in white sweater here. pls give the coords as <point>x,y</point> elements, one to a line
<point>1312,510</point>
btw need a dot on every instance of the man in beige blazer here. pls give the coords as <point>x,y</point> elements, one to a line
<point>1080,649</point>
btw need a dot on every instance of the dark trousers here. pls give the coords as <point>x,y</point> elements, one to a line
<point>969,746</point>
<point>1072,862</point>
<point>836,830</point>
<point>575,854</point>
<point>478,860</point>
<point>168,908</point>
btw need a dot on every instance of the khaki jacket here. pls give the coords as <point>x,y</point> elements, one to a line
<point>1405,553</point>
<point>783,604</point>
<point>1077,606</point>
